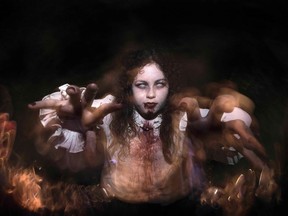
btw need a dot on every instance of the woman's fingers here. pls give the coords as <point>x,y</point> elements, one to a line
<point>45,104</point>
<point>73,105</point>
<point>78,104</point>
<point>75,95</point>
<point>92,116</point>
<point>191,106</point>
<point>224,103</point>
<point>246,137</point>
<point>89,94</point>
<point>109,108</point>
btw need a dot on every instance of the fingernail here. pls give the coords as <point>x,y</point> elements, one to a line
<point>33,104</point>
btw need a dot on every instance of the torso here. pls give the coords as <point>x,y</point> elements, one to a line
<point>143,174</point>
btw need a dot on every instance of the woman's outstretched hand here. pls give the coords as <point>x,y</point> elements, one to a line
<point>78,105</point>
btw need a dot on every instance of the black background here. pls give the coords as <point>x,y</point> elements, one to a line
<point>44,44</point>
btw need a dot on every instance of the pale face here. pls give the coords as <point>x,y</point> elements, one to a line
<point>150,90</point>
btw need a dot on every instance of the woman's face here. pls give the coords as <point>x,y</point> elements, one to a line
<point>150,90</point>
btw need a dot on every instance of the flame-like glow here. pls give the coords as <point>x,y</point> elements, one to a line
<point>7,136</point>
<point>25,188</point>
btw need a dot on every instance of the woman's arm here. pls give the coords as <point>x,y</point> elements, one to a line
<point>69,120</point>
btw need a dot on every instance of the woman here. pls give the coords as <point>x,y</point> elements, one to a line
<point>143,135</point>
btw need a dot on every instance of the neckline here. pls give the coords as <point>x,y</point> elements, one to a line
<point>141,122</point>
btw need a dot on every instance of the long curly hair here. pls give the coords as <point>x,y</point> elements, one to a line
<point>123,125</point>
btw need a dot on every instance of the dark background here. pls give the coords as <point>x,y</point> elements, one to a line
<point>44,44</point>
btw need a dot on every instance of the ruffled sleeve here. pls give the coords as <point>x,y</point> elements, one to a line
<point>49,115</point>
<point>70,139</point>
<point>237,114</point>
<point>69,134</point>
